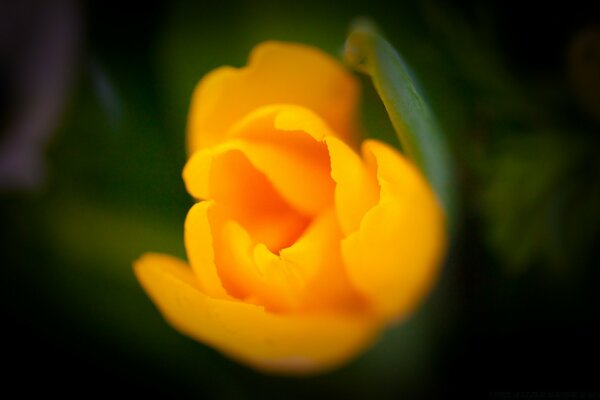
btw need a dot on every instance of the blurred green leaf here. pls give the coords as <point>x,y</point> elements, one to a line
<point>419,133</point>
<point>539,201</point>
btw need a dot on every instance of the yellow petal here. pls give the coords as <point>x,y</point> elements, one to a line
<point>285,144</point>
<point>394,257</point>
<point>276,73</point>
<point>303,343</point>
<point>356,189</point>
<point>199,245</point>
<point>317,257</point>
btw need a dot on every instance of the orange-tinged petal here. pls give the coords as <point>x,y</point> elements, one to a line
<point>282,343</point>
<point>225,175</point>
<point>308,275</point>
<point>284,143</point>
<point>251,272</point>
<point>394,256</point>
<point>276,73</point>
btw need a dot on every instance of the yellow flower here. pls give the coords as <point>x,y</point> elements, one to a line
<point>302,248</point>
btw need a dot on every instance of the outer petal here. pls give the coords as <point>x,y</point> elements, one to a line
<point>278,343</point>
<point>199,244</point>
<point>394,256</point>
<point>276,73</point>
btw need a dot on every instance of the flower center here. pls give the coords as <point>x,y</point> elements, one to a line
<point>246,196</point>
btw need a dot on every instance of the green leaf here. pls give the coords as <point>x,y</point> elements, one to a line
<point>420,135</point>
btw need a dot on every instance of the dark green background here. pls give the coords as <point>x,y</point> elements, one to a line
<point>517,305</point>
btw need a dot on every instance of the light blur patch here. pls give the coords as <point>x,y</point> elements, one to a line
<point>39,46</point>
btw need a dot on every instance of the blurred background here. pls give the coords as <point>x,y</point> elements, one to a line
<point>93,104</point>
